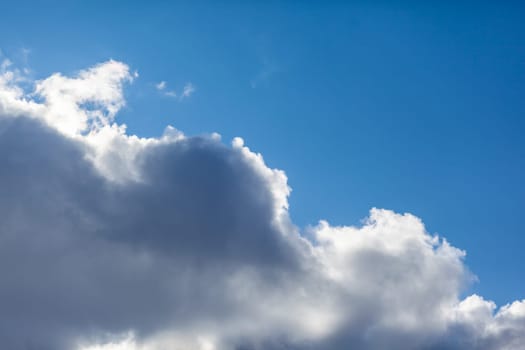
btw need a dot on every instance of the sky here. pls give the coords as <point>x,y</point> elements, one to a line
<point>334,108</point>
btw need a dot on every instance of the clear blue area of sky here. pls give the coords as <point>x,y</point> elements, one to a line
<point>413,106</point>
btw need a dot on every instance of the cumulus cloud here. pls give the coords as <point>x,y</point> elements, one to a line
<point>110,241</point>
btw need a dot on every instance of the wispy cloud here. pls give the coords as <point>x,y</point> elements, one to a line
<point>267,70</point>
<point>161,85</point>
<point>187,90</point>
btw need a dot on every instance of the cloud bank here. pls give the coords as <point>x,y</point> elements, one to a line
<point>109,241</point>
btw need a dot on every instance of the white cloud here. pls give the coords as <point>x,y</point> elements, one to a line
<point>86,102</point>
<point>127,243</point>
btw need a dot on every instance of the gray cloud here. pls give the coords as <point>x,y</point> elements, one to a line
<point>81,253</point>
<point>109,241</point>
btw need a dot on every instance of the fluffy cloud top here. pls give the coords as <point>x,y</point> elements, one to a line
<point>110,241</point>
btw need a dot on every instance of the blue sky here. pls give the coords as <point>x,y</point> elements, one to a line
<point>408,106</point>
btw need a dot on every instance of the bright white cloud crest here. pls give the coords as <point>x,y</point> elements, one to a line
<point>115,242</point>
